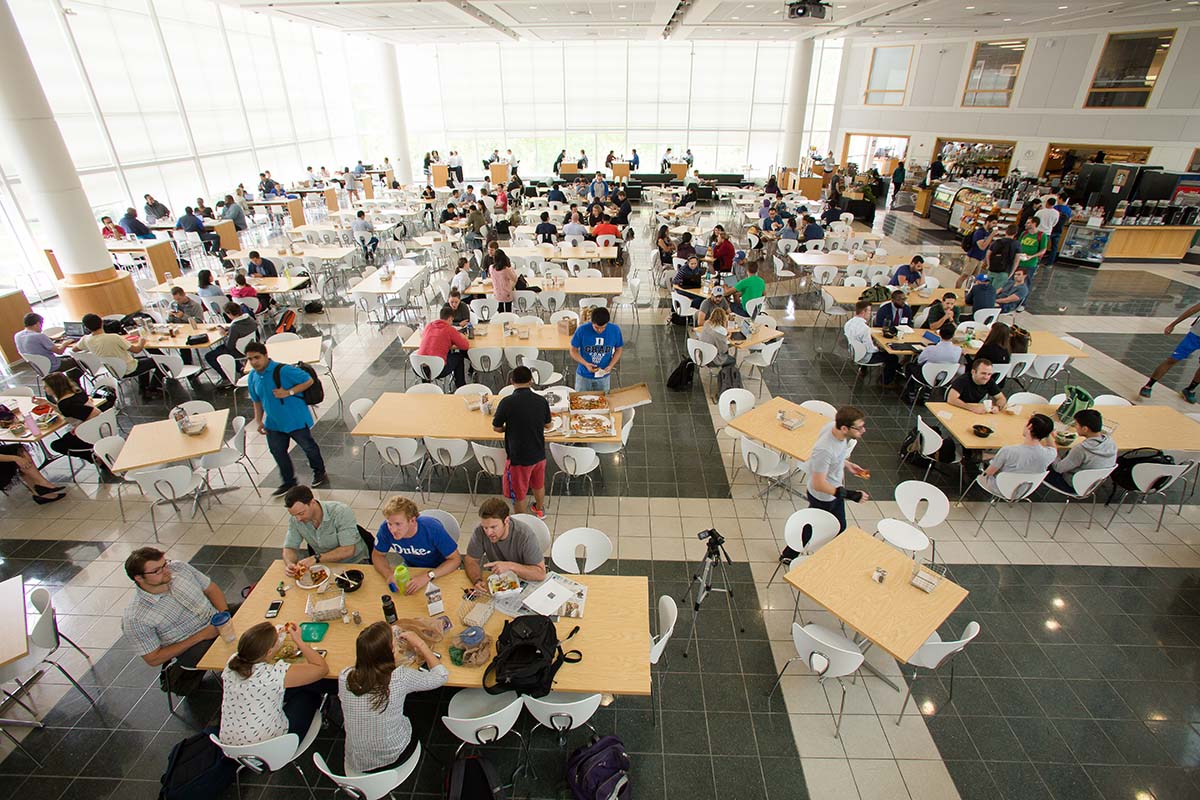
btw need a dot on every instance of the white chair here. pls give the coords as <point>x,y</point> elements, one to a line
<point>401,454</point>
<point>1111,400</point>
<point>597,549</point>
<point>1027,398</point>
<point>170,485</point>
<point>821,407</point>
<point>520,355</point>
<point>553,302</point>
<point>91,431</point>
<point>543,372</point>
<point>668,615</point>
<point>854,281</point>
<point>986,316</point>
<point>193,407</point>
<point>1019,364</point>
<point>1045,368</point>
<point>1084,484</point>
<point>703,355</point>
<point>933,654</point>
<point>540,529</point>
<point>424,388</point>
<point>358,410</point>
<point>473,388</point>
<point>491,460</point>
<point>562,712</point>
<point>477,718</point>
<point>273,754</point>
<point>769,465</point>
<point>40,365</point>
<point>173,368</point>
<point>753,307</point>
<point>807,531</point>
<point>932,283</point>
<point>909,496</point>
<point>426,368</point>
<point>682,306</point>
<point>233,453</point>
<point>932,377</point>
<point>524,302</point>
<point>506,316</point>
<point>827,653</point>
<point>1155,479</point>
<point>108,449</point>
<point>928,446</point>
<point>374,785</point>
<point>1011,487</point>
<point>562,314</point>
<point>483,309</point>
<point>282,337</point>
<point>574,462</point>
<point>450,454</point>
<point>761,360</point>
<point>730,405</point>
<point>902,536</point>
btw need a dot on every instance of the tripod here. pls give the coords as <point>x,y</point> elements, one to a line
<point>702,581</point>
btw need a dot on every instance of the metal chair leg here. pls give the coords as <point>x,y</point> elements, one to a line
<point>837,728</point>
<point>779,678</point>
<point>907,694</point>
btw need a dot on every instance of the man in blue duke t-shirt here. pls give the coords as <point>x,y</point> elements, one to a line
<point>596,347</point>
<point>427,549</point>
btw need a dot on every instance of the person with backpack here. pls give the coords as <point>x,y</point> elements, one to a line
<point>372,695</point>
<point>1189,345</point>
<point>977,242</point>
<point>281,413</point>
<point>1031,247</point>
<point>500,543</point>
<point>998,262</point>
<point>1094,450</point>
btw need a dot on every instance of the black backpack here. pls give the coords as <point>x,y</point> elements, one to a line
<point>1123,475</point>
<point>473,778</point>
<point>196,770</point>
<point>729,377</point>
<point>528,654</point>
<point>314,394</point>
<point>967,241</point>
<point>682,376</point>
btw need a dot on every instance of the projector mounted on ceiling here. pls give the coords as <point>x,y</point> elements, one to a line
<point>808,9</point>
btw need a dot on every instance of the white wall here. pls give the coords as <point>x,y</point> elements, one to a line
<point>1047,100</point>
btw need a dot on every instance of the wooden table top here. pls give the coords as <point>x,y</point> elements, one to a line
<point>761,424</point>
<point>895,615</point>
<point>163,340</point>
<point>135,246</point>
<point>695,230</point>
<point>375,284</point>
<point>838,258</point>
<point>446,416</point>
<point>614,633</point>
<point>1159,427</point>
<point>306,350</point>
<point>22,406</point>
<point>14,640</point>
<point>430,239</point>
<point>261,285</point>
<point>543,337</point>
<point>848,296</point>
<point>326,252</point>
<point>761,336</point>
<point>1041,343</point>
<point>563,253</point>
<point>589,287</point>
<point>152,444</point>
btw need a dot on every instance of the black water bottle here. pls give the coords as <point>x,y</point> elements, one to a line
<point>389,609</point>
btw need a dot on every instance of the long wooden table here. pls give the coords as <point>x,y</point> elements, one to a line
<point>323,252</point>
<point>761,424</point>
<point>261,285</point>
<point>446,416</point>
<point>836,258</point>
<point>543,337</point>
<point>1041,343</point>
<point>152,444</point>
<point>375,283</point>
<point>614,633</point>
<point>895,615</point>
<point>564,253</point>
<point>22,406</point>
<point>307,350</point>
<point>222,227</point>
<point>159,254</point>
<point>848,295</point>
<point>1159,427</point>
<point>588,287</point>
<point>163,340</point>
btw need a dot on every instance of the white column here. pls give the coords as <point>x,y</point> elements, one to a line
<point>34,145</point>
<point>393,109</point>
<point>797,102</point>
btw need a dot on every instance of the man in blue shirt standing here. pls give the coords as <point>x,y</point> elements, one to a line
<point>635,161</point>
<point>596,347</point>
<point>427,549</point>
<point>281,413</point>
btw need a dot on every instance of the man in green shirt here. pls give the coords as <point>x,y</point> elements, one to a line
<point>748,288</point>
<point>1030,248</point>
<point>328,527</point>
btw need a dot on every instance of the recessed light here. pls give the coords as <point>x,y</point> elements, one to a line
<point>533,8</point>
<point>926,19</point>
<point>735,17</point>
<point>750,5</point>
<point>776,11</point>
<point>1006,19</point>
<point>620,17</point>
<point>970,8</point>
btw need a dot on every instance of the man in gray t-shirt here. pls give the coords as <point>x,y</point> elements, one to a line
<point>1032,456</point>
<point>502,544</point>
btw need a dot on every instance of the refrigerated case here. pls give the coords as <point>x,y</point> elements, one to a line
<point>969,203</point>
<point>1084,245</point>
<point>942,203</point>
<point>1108,184</point>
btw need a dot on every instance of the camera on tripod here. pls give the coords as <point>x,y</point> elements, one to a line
<point>715,537</point>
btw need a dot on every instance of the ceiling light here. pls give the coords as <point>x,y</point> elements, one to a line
<point>751,5</point>
<point>926,19</point>
<point>970,8</point>
<point>1006,19</point>
<point>735,17</point>
<point>533,8</point>
<point>1062,8</point>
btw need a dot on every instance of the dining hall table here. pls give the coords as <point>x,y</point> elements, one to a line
<point>1041,343</point>
<point>588,287</point>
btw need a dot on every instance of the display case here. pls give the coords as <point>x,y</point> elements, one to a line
<point>969,203</point>
<point>943,201</point>
<point>1082,244</point>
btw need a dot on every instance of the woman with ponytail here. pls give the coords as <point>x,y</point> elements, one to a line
<point>264,698</point>
<point>372,693</point>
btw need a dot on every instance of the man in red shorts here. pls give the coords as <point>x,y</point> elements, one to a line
<point>522,417</point>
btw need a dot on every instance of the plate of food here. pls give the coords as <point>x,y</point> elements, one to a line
<point>503,583</point>
<point>591,425</point>
<point>314,577</point>
<point>587,403</point>
<point>556,424</point>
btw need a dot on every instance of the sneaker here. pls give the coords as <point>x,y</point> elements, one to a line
<point>320,480</point>
<point>282,490</point>
<point>1145,392</point>
<point>1189,395</point>
<point>541,512</point>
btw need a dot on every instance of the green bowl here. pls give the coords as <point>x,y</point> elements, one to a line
<point>313,631</point>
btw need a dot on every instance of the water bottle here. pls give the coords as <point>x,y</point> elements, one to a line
<point>400,576</point>
<point>389,609</point>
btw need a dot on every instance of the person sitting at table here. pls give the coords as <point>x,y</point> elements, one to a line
<point>772,222</point>
<point>112,345</point>
<point>32,340</point>
<point>598,188</point>
<point>131,224</point>
<point>789,231</point>
<point>1012,295</point>
<point>1034,454</point>
<point>169,617</point>
<point>546,231</point>
<point>422,542</point>
<point>204,211</point>
<point>155,210</point>
<point>690,197</point>
<point>595,213</point>
<point>206,287</point>
<point>575,227</point>
<point>110,229</point>
<point>233,212</point>
<point>748,288</point>
<point>715,300</point>
<point>372,695</point>
<point>714,330</point>
<point>240,326</point>
<point>243,290</point>
<point>462,276</point>
<point>1094,450</point>
<point>326,527</point>
<point>190,223</point>
<point>428,193</point>
<point>555,195</point>
<point>910,274</point>
<point>624,208</point>
<point>690,275</point>
<point>449,214</point>
<point>461,311</point>
<point>831,214</point>
<point>469,196</point>
<point>945,351</point>
<point>262,267</point>
<point>812,230</point>
<point>364,234</point>
<point>572,211</point>
<point>262,698</point>
<point>502,544</point>
<point>940,313</point>
<point>858,331</point>
<point>666,247</point>
<point>723,253</point>
<point>440,338</point>
<point>896,312</point>
<point>685,248</point>
<point>982,295</point>
<point>971,389</point>
<point>996,348</point>
<point>606,228</point>
<point>266,185</point>
<point>15,462</point>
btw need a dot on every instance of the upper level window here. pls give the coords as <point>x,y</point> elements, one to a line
<point>888,77</point>
<point>994,73</point>
<point>1128,69</point>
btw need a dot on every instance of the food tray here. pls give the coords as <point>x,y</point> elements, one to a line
<point>588,403</point>
<point>590,424</point>
<point>313,631</point>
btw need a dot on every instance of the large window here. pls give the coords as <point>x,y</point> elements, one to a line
<point>888,76</point>
<point>994,73</point>
<point>1128,69</point>
<point>822,97</point>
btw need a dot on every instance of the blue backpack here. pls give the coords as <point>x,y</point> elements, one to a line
<point>600,770</point>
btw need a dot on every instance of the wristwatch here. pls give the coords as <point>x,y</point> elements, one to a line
<point>317,556</point>
<point>432,574</point>
<point>291,392</point>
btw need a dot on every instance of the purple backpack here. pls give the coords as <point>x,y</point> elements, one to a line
<point>600,770</point>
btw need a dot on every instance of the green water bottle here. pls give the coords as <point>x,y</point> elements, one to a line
<point>400,576</point>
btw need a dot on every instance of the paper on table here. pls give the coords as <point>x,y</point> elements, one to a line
<point>944,415</point>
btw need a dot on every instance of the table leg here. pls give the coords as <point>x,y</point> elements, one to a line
<point>871,668</point>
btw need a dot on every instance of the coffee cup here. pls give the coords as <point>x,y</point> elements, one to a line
<point>223,622</point>
<point>987,405</point>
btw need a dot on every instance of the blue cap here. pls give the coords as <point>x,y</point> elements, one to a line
<point>220,618</point>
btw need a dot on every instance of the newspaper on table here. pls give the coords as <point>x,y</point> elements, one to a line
<point>556,596</point>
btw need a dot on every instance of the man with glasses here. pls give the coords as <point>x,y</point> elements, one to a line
<point>170,615</point>
<point>827,466</point>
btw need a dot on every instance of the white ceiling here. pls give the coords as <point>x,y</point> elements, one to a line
<point>416,21</point>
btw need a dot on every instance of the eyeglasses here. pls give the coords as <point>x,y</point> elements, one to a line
<point>861,427</point>
<point>158,571</point>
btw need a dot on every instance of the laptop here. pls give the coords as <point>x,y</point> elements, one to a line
<point>73,330</point>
